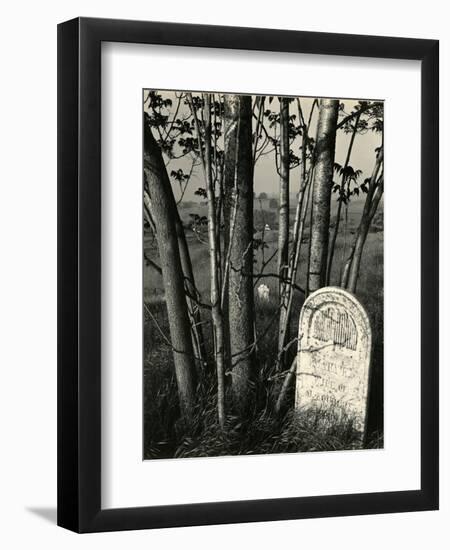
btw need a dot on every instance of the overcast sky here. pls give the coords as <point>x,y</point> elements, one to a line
<point>266,177</point>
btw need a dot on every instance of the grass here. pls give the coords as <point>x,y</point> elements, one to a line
<point>262,432</point>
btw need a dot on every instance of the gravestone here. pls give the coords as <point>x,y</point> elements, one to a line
<point>263,293</point>
<point>333,360</point>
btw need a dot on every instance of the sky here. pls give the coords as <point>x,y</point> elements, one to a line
<point>266,178</point>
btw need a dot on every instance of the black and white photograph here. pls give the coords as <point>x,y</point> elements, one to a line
<point>263,274</point>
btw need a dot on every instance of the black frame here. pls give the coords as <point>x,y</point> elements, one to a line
<point>79,282</point>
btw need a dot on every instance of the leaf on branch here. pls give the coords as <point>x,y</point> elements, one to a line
<point>179,175</point>
<point>201,192</point>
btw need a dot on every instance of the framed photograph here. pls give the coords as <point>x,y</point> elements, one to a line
<point>248,275</point>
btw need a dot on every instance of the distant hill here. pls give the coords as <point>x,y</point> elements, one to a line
<point>266,212</point>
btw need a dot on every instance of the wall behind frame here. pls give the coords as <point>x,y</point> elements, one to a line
<point>28,275</point>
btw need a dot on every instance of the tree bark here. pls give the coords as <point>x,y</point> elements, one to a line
<point>321,193</point>
<point>192,297</point>
<point>374,194</point>
<point>341,196</point>
<point>283,214</point>
<point>299,224</point>
<point>164,213</point>
<point>239,160</point>
<point>289,377</point>
<point>361,239</point>
<point>215,290</point>
<point>292,273</point>
<point>216,308</point>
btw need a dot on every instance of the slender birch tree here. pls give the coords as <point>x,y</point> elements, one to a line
<point>192,295</point>
<point>341,199</point>
<point>299,224</point>
<point>373,198</point>
<point>216,307</point>
<point>283,214</point>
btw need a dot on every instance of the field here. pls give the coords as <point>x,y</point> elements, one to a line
<point>263,433</point>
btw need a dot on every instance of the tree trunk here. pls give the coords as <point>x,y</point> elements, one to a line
<point>374,193</point>
<point>198,340</point>
<point>288,379</point>
<point>283,215</point>
<point>341,196</point>
<point>148,210</point>
<point>294,257</point>
<point>231,138</point>
<point>239,160</point>
<point>259,105</point>
<point>164,212</point>
<point>192,293</point>
<point>215,290</point>
<point>292,273</point>
<point>321,193</point>
<point>216,308</point>
<point>360,241</point>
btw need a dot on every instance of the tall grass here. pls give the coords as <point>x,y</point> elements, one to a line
<point>261,432</point>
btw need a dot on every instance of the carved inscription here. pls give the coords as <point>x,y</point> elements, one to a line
<point>331,325</point>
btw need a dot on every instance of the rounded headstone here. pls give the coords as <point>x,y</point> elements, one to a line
<point>333,361</point>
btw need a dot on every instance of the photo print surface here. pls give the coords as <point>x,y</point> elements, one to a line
<point>263,274</point>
